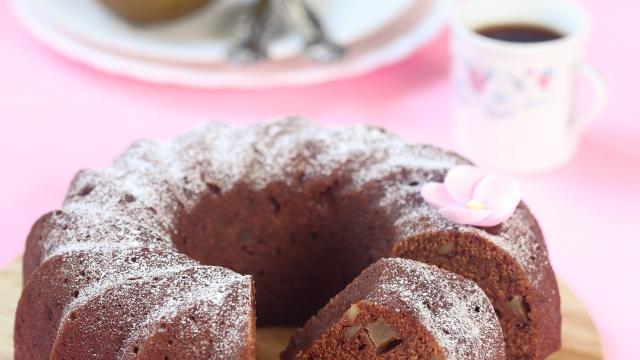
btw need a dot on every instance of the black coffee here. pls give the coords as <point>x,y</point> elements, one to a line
<point>522,33</point>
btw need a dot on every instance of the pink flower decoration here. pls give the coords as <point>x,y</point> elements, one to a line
<point>469,196</point>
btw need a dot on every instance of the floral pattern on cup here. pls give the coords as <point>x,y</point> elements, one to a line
<point>503,93</point>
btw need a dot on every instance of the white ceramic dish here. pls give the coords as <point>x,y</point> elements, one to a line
<point>389,44</point>
<point>206,36</point>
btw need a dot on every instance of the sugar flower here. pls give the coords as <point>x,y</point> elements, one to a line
<point>470,196</point>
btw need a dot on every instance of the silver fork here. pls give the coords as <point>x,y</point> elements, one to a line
<point>319,47</point>
<point>264,18</point>
<point>254,47</point>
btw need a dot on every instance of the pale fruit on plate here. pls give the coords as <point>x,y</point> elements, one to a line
<point>153,11</point>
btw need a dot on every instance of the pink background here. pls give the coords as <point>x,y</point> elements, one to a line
<point>57,117</point>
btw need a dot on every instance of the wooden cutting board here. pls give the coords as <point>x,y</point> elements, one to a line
<point>579,336</point>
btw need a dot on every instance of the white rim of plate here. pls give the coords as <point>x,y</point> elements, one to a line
<point>273,74</point>
<point>281,49</point>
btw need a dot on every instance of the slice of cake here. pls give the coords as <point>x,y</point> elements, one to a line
<point>402,309</point>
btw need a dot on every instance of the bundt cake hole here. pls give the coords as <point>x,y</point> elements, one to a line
<point>490,267</point>
<point>319,241</point>
<point>75,294</point>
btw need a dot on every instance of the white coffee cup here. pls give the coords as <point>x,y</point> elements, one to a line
<point>515,103</point>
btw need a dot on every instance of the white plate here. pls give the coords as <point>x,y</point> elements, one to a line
<point>392,43</point>
<point>206,36</point>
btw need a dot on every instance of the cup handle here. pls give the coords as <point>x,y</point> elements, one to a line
<point>601,95</point>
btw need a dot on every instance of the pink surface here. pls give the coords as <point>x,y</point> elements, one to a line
<point>57,117</point>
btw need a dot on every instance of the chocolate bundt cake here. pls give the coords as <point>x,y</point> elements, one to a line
<point>144,257</point>
<point>403,309</point>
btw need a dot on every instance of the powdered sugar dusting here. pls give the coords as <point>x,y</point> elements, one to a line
<point>225,324</point>
<point>455,311</point>
<point>89,226</point>
<point>163,282</point>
